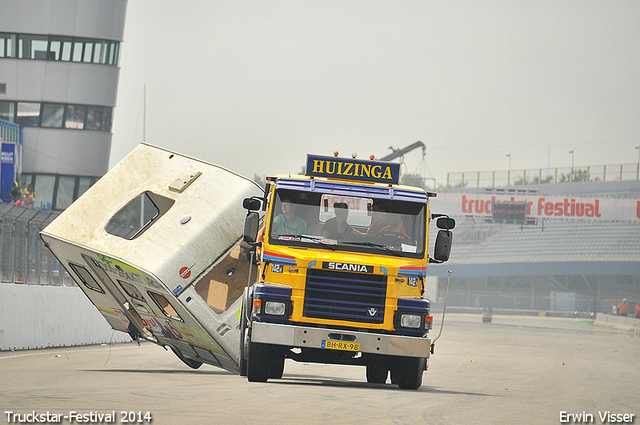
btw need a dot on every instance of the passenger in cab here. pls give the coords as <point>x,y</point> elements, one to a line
<point>337,227</point>
<point>288,223</point>
<point>384,223</point>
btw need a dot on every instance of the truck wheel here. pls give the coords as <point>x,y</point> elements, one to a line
<point>244,334</point>
<point>407,372</point>
<point>277,366</point>
<point>377,373</point>
<point>243,358</point>
<point>258,362</point>
<point>193,364</point>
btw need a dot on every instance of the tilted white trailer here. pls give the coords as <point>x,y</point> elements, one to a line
<point>155,245</point>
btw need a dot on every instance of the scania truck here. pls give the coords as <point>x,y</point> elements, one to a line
<point>327,267</point>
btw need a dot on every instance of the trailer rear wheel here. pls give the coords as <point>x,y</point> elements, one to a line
<point>193,364</point>
<point>407,372</point>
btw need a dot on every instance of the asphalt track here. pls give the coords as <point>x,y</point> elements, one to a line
<point>516,370</point>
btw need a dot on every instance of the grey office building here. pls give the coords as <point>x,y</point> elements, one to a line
<point>58,81</point>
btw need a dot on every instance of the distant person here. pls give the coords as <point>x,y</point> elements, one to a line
<point>624,307</point>
<point>288,223</point>
<point>16,191</point>
<point>638,310</point>
<point>337,227</point>
<point>614,309</point>
<point>28,197</point>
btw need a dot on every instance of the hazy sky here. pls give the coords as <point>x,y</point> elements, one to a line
<point>256,85</point>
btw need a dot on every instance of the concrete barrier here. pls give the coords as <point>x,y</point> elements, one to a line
<point>628,323</point>
<point>34,316</point>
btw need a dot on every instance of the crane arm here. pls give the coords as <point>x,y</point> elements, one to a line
<point>396,153</point>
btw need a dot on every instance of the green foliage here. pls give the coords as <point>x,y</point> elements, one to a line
<point>258,179</point>
<point>411,179</point>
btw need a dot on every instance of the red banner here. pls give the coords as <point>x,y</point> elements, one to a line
<point>568,207</point>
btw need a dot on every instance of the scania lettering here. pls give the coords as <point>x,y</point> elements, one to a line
<point>328,267</point>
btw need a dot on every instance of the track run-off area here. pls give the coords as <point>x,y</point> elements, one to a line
<point>515,370</point>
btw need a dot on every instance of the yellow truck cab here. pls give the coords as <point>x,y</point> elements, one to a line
<point>342,261</point>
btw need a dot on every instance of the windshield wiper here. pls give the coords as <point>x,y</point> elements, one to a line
<point>376,245</point>
<point>315,239</point>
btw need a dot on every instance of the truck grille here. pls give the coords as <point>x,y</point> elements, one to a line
<point>354,297</point>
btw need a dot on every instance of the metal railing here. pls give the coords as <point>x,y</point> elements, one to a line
<point>592,173</point>
<point>10,132</point>
<point>24,257</point>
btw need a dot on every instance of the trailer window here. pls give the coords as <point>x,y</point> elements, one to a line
<point>86,278</point>
<point>165,306</point>
<point>131,290</point>
<point>138,215</point>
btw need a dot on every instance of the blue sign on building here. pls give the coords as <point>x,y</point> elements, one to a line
<point>353,169</point>
<point>7,170</point>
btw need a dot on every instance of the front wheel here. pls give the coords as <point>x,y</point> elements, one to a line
<point>407,372</point>
<point>258,362</point>
<point>377,373</point>
<point>277,366</point>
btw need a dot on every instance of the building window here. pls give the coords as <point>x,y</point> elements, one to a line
<point>56,115</point>
<point>7,111</point>
<point>75,117</point>
<point>59,48</point>
<point>84,183</point>
<point>7,45</point>
<point>64,193</point>
<point>28,114</point>
<point>55,191</point>
<point>33,46</point>
<point>52,115</point>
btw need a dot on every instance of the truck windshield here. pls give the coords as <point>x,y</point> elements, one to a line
<point>348,223</point>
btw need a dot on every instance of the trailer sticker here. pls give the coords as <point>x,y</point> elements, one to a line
<point>162,327</point>
<point>119,269</point>
<point>122,317</point>
<point>185,272</point>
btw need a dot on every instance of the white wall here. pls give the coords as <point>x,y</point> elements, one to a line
<point>82,18</point>
<point>55,151</point>
<point>50,316</point>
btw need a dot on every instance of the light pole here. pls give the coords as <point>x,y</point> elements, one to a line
<point>571,152</point>
<point>509,172</point>
<point>638,172</point>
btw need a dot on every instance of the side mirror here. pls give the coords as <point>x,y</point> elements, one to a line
<point>442,247</point>
<point>251,223</point>
<point>446,223</point>
<point>251,204</point>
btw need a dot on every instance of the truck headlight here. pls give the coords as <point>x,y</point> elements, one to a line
<point>275,308</point>
<point>410,321</point>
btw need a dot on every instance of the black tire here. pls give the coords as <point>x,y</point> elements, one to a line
<point>193,364</point>
<point>407,372</point>
<point>377,373</point>
<point>259,362</point>
<point>276,366</point>
<point>243,332</point>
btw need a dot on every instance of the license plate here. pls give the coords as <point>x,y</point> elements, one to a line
<point>340,345</point>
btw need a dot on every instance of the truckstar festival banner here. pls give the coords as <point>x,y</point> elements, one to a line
<point>539,206</point>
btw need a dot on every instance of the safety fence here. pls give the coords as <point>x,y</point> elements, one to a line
<point>562,302</point>
<point>24,257</point>
<point>598,173</point>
